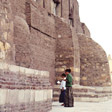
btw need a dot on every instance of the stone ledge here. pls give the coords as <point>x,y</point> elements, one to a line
<point>41,106</point>
<point>23,96</point>
<point>24,89</point>
<point>23,70</point>
<point>87,94</point>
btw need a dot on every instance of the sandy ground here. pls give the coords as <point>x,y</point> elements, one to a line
<point>84,107</point>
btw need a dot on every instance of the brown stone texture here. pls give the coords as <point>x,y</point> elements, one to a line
<point>18,7</point>
<point>65,9</point>
<point>94,69</point>
<point>21,80</point>
<point>6,32</point>
<point>64,47</point>
<point>21,89</point>
<point>77,23</point>
<point>76,65</point>
<point>47,5</point>
<point>67,50</point>
<point>29,107</point>
<point>35,43</point>
<point>45,35</point>
<point>21,40</point>
<point>85,30</point>
<point>47,42</point>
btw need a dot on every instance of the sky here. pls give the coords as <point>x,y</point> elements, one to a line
<point>97,15</point>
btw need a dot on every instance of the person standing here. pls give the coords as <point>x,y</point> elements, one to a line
<point>63,89</point>
<point>69,99</point>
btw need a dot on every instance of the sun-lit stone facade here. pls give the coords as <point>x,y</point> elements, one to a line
<point>39,39</point>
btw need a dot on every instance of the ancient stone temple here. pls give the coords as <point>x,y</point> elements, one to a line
<point>39,39</point>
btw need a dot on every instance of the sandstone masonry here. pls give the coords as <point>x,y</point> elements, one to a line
<point>39,39</point>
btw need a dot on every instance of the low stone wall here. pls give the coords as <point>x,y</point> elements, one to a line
<point>23,89</point>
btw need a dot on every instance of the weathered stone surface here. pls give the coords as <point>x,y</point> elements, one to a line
<point>21,40</point>
<point>6,32</point>
<point>37,29</point>
<point>18,7</point>
<point>94,64</point>
<point>23,89</point>
<point>35,45</point>
<point>40,36</point>
<point>85,30</point>
<point>64,49</point>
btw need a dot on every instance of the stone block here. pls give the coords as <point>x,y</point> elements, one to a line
<point>5,35</point>
<point>3,95</point>
<point>7,46</point>
<point>32,97</point>
<point>50,94</point>
<point>27,96</point>
<point>39,95</point>
<point>47,74</point>
<point>13,68</point>
<point>8,96</point>
<point>77,79</point>
<point>84,78</point>
<point>37,19</point>
<point>45,94</point>
<point>36,73</point>
<point>13,96</point>
<point>22,70</point>
<point>77,70</point>
<point>3,65</point>
<point>21,96</point>
<point>44,74</point>
<point>29,72</point>
<point>60,69</point>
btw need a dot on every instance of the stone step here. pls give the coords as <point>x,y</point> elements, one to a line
<point>88,94</point>
<point>55,93</point>
<point>86,99</point>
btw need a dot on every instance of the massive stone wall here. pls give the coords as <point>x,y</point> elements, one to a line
<point>52,27</point>
<point>42,31</point>
<point>94,69</point>
<point>34,37</point>
<point>67,50</point>
<point>23,89</point>
<point>64,47</point>
<point>39,36</point>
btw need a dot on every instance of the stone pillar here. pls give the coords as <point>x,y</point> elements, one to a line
<point>65,9</point>
<point>76,67</point>
<point>56,8</point>
<point>67,51</point>
<point>59,9</point>
<point>48,5</point>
